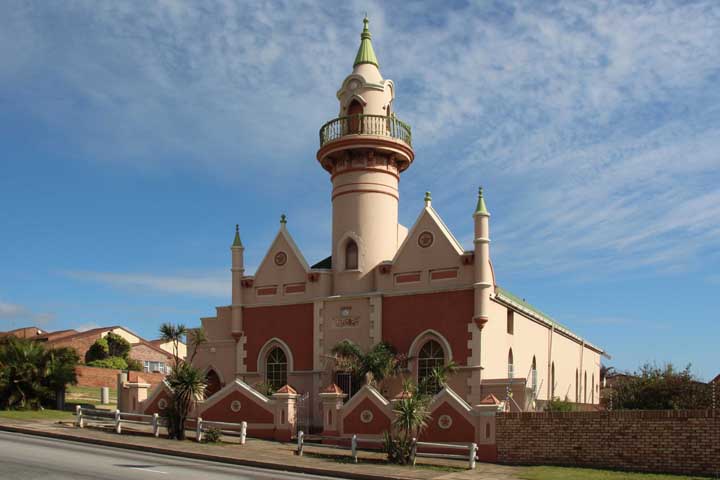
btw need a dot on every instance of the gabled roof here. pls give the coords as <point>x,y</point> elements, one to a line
<point>283,233</point>
<point>430,211</point>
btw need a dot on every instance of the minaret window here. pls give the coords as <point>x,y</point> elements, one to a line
<point>351,255</point>
<point>510,365</point>
<point>533,375</point>
<point>355,109</point>
<point>276,368</point>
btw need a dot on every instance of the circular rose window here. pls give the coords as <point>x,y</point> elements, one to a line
<point>162,404</point>
<point>280,259</point>
<point>235,406</point>
<point>425,239</point>
<point>366,416</point>
<point>445,422</point>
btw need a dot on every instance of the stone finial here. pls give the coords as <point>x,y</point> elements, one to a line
<point>283,219</point>
<point>365,53</point>
<point>237,242</point>
<point>481,208</point>
<point>428,199</point>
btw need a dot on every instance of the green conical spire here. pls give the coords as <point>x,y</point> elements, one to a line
<point>237,242</point>
<point>481,209</point>
<point>365,53</point>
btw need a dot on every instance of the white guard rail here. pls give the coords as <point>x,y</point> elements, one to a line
<point>117,418</point>
<point>226,428</point>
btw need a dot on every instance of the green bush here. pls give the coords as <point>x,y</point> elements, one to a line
<point>117,346</point>
<point>212,435</point>
<point>97,351</point>
<point>557,405</point>
<point>135,365</point>
<point>110,362</point>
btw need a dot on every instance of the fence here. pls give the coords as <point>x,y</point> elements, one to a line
<point>470,456</point>
<point>226,428</point>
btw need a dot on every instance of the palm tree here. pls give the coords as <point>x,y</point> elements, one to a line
<point>173,333</point>
<point>60,372</point>
<point>412,413</point>
<point>21,372</point>
<point>374,366</point>
<point>188,386</point>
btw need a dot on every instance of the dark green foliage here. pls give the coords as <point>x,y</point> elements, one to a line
<point>109,362</point>
<point>661,388</point>
<point>557,405</point>
<point>117,345</point>
<point>31,376</point>
<point>264,388</point>
<point>381,362</point>
<point>212,435</point>
<point>173,333</point>
<point>97,351</point>
<point>135,365</point>
<point>412,413</point>
<point>188,387</point>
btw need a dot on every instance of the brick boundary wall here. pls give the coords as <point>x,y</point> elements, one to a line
<point>668,441</point>
<point>107,377</point>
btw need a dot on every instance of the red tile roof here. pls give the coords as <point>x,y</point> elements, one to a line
<point>333,388</point>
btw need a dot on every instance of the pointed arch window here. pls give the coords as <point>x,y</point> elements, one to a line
<point>212,383</point>
<point>431,356</point>
<point>276,368</point>
<point>351,255</point>
<point>354,112</point>
<point>533,375</point>
<point>510,365</point>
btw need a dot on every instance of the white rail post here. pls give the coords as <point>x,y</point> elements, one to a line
<point>473,453</point>
<point>79,420</point>
<point>413,451</point>
<point>353,448</point>
<point>243,432</point>
<point>198,430</point>
<point>118,426</point>
<point>300,443</point>
<point>155,425</point>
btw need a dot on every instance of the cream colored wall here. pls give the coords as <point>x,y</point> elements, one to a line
<point>220,349</point>
<point>170,348</point>
<point>124,334</point>
<point>375,92</point>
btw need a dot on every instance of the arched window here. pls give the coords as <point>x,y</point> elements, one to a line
<point>354,111</point>
<point>533,375</point>
<point>510,364</point>
<point>552,381</point>
<point>212,383</point>
<point>585,389</point>
<point>351,255</point>
<point>276,368</point>
<point>431,356</point>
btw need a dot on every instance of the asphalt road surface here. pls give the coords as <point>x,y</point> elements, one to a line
<point>26,457</point>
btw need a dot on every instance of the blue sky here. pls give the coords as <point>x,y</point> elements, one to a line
<point>134,135</point>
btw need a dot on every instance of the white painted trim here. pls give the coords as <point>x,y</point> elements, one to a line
<point>239,385</point>
<point>449,392</point>
<point>283,232</point>
<point>373,394</point>
<point>265,349</point>
<point>428,210</point>
<point>163,386</point>
<point>416,345</point>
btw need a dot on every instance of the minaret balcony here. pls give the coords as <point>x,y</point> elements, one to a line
<point>365,125</point>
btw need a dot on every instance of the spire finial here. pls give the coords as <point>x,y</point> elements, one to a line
<point>365,53</point>
<point>283,219</point>
<point>428,199</point>
<point>236,241</point>
<point>481,208</point>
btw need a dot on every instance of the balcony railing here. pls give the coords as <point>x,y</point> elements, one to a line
<point>379,125</point>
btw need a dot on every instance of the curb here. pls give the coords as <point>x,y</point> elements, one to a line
<point>201,456</point>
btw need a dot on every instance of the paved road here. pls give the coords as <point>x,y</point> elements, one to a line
<point>26,457</point>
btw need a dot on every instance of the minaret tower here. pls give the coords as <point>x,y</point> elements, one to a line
<point>365,149</point>
<point>238,270</point>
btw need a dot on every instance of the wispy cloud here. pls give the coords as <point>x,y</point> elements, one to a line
<point>13,312</point>
<point>201,285</point>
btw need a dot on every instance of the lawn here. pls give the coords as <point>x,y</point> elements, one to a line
<point>46,414</point>
<point>563,473</point>
<point>89,395</point>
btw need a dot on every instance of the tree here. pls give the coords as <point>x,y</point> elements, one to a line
<point>60,372</point>
<point>173,333</point>
<point>376,365</point>
<point>99,350</point>
<point>661,388</point>
<point>412,414</point>
<point>111,351</point>
<point>117,345</point>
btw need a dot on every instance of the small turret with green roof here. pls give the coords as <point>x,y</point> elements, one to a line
<point>481,208</point>
<point>237,242</point>
<point>365,53</point>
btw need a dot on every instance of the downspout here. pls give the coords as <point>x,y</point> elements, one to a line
<point>551,380</point>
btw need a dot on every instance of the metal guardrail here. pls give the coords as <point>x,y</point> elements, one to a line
<point>380,125</point>
<point>470,456</point>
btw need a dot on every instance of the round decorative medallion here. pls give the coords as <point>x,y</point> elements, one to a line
<point>354,84</point>
<point>425,239</point>
<point>345,312</point>
<point>366,416</point>
<point>162,404</point>
<point>235,406</point>
<point>280,259</point>
<point>445,422</point>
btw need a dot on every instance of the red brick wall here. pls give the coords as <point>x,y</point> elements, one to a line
<point>406,316</point>
<point>293,324</point>
<point>686,441</point>
<point>107,377</point>
<point>80,344</point>
<point>143,352</point>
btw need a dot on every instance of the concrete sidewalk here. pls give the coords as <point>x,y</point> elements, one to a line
<point>266,454</point>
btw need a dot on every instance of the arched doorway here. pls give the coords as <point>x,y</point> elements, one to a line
<point>212,383</point>
<point>355,109</point>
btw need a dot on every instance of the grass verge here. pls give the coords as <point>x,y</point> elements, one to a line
<point>46,414</point>
<point>565,473</point>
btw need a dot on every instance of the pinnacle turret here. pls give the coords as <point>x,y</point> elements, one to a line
<point>481,208</point>
<point>237,242</point>
<point>365,53</point>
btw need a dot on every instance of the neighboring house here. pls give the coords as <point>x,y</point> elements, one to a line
<point>153,357</point>
<point>716,380</point>
<point>170,348</point>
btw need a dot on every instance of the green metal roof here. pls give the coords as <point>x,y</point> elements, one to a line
<point>365,53</point>
<point>236,241</point>
<point>481,208</point>
<point>324,263</point>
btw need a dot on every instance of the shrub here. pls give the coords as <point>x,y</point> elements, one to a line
<point>110,362</point>
<point>264,388</point>
<point>117,345</point>
<point>212,435</point>
<point>557,405</point>
<point>97,351</point>
<point>135,365</point>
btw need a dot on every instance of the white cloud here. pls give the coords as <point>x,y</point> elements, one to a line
<point>13,312</point>
<point>201,285</point>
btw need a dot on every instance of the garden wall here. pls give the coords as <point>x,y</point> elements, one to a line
<point>686,441</point>
<point>107,377</point>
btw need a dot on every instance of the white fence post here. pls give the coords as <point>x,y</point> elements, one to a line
<point>473,453</point>
<point>155,425</point>
<point>353,448</point>
<point>78,412</point>
<point>198,430</point>
<point>300,443</point>
<point>118,427</point>
<point>413,451</point>
<point>243,432</point>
